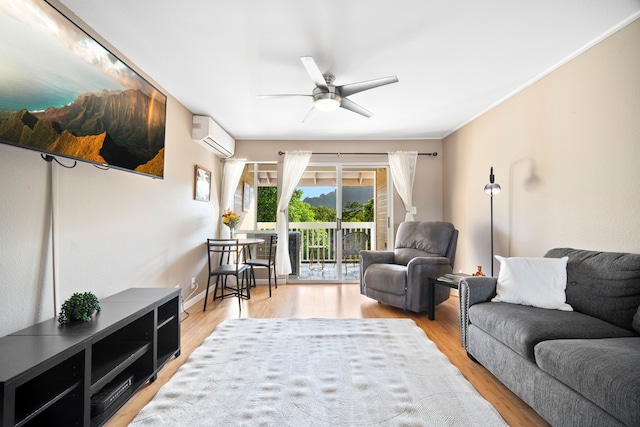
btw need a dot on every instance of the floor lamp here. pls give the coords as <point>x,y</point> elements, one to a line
<point>490,189</point>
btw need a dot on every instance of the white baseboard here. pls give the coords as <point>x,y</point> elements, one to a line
<point>187,304</point>
<point>199,297</point>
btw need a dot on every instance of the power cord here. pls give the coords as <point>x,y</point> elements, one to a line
<point>49,158</point>
<point>187,299</point>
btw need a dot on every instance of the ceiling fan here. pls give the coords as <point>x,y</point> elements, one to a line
<point>327,97</point>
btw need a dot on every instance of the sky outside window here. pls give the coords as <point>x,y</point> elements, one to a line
<point>315,191</point>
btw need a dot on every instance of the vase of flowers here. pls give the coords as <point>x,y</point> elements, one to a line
<point>231,220</point>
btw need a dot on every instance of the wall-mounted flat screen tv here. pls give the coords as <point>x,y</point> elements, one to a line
<point>62,93</point>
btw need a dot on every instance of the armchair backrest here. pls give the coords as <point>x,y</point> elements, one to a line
<point>425,238</point>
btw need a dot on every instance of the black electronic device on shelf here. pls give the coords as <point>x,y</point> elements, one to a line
<point>110,393</point>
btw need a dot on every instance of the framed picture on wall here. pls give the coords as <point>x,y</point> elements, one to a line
<point>202,184</point>
<point>246,197</point>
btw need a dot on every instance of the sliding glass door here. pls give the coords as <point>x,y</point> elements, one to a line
<point>346,211</point>
<point>315,217</point>
<point>336,211</point>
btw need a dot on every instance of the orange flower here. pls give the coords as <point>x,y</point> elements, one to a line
<point>230,218</point>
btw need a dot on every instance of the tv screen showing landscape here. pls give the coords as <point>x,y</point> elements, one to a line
<point>63,93</point>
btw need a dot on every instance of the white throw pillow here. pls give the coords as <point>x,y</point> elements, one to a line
<point>539,282</point>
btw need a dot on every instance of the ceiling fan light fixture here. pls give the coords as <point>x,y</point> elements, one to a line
<point>328,97</point>
<point>326,101</point>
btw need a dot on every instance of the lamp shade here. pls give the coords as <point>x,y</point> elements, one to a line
<point>492,189</point>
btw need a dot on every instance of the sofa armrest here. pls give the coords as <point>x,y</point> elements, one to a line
<point>419,270</point>
<point>428,260</point>
<point>374,257</point>
<point>473,290</point>
<point>368,257</point>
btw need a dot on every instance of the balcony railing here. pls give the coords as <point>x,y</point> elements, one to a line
<point>323,234</point>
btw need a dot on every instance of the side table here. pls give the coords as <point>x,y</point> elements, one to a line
<point>312,249</point>
<point>432,282</point>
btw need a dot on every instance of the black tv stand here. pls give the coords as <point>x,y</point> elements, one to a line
<point>81,374</point>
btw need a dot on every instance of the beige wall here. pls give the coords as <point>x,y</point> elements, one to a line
<point>113,229</point>
<point>427,195</point>
<point>579,129</point>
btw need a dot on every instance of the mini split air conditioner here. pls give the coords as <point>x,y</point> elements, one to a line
<point>207,133</point>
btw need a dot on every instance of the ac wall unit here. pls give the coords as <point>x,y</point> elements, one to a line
<point>207,133</point>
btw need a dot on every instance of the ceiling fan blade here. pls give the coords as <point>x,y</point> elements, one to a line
<point>309,114</point>
<point>314,72</point>
<point>352,106</point>
<point>351,88</point>
<point>283,95</point>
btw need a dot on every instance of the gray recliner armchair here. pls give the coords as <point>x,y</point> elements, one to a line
<point>399,277</point>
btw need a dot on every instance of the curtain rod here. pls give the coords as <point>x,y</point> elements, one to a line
<point>434,154</point>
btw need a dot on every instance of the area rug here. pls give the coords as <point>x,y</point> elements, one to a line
<point>318,372</point>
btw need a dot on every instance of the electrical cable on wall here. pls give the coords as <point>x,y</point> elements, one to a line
<point>52,222</point>
<point>49,158</point>
<point>187,299</point>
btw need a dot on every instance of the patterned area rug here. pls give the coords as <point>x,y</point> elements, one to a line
<point>318,372</point>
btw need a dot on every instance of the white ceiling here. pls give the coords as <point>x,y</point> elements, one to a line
<point>454,59</point>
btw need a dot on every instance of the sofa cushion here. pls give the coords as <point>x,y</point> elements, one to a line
<point>605,285</point>
<point>636,321</point>
<point>539,282</point>
<point>521,327</point>
<point>605,371</point>
<point>387,278</point>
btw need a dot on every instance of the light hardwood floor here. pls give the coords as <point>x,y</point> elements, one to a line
<point>333,301</point>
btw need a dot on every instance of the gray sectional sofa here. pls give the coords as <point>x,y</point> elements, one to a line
<point>575,368</point>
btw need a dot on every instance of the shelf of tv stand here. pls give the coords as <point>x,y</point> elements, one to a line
<point>165,322</point>
<point>110,366</point>
<point>50,372</point>
<point>39,407</point>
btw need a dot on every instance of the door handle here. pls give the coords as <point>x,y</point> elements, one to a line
<point>339,222</point>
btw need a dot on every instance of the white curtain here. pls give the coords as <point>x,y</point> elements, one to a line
<point>295,163</point>
<point>403,170</point>
<point>231,175</point>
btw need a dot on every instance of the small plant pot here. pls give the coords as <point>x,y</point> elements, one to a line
<point>79,308</point>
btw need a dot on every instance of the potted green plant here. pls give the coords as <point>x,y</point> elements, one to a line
<point>79,307</point>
